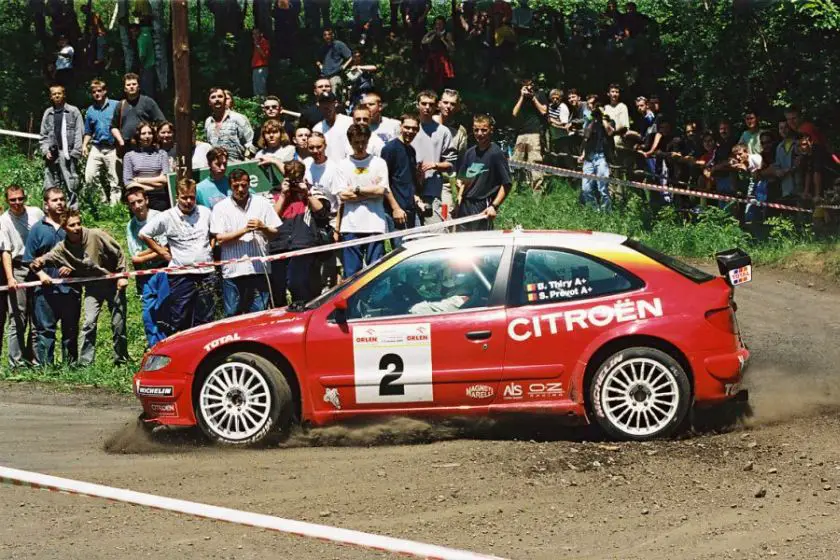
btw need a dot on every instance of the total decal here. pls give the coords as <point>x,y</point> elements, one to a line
<point>622,311</point>
<point>515,391</point>
<point>213,344</point>
<point>393,363</point>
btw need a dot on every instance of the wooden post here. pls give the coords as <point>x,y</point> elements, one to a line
<point>181,66</point>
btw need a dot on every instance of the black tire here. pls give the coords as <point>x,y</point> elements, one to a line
<point>646,402</point>
<point>269,381</point>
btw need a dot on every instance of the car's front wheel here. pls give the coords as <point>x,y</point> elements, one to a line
<point>640,394</point>
<point>244,400</point>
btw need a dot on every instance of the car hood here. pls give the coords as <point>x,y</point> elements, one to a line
<point>252,326</point>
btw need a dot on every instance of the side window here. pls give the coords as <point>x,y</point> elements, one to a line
<point>551,276</point>
<point>433,282</point>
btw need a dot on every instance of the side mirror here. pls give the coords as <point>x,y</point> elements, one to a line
<point>340,313</point>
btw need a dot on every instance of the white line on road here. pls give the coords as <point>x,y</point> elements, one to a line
<point>300,528</point>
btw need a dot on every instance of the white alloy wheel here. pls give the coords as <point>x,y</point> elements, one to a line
<point>235,401</point>
<point>640,394</point>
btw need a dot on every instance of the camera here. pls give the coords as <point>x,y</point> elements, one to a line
<point>53,152</point>
<point>425,210</point>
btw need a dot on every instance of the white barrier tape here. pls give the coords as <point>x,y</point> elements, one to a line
<point>19,134</point>
<point>299,528</point>
<point>431,228</point>
<point>563,172</point>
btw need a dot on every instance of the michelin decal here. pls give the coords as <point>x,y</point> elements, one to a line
<point>622,311</point>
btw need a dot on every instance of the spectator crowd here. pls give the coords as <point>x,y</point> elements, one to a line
<point>347,172</point>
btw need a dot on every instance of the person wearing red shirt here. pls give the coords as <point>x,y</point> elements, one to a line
<point>259,63</point>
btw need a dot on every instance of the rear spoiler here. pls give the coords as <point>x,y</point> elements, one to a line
<point>735,266</point>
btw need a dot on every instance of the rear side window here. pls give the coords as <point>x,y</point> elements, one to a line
<point>543,275</point>
<point>693,274</point>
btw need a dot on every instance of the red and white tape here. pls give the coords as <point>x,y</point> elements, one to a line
<point>431,228</point>
<point>563,172</point>
<point>299,528</point>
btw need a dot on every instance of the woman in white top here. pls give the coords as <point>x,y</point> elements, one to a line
<point>275,146</point>
<point>166,141</point>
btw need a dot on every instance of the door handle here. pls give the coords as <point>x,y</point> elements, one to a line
<point>479,335</point>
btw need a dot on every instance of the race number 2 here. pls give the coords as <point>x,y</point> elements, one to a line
<point>393,363</point>
<point>389,385</point>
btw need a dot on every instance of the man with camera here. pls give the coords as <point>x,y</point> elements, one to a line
<point>529,112</point>
<point>61,144</point>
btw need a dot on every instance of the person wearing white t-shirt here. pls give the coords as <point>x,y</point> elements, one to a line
<point>362,187</point>
<point>241,224</point>
<point>618,113</point>
<point>361,116</point>
<point>333,127</point>
<point>322,174</point>
<point>64,63</point>
<point>384,127</point>
<point>15,224</point>
<point>187,230</point>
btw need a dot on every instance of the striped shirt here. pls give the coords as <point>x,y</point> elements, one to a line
<point>144,163</point>
<point>15,229</point>
<point>233,133</point>
<point>188,236</point>
<point>227,217</point>
<point>559,112</point>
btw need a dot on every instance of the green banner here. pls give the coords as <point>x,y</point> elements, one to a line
<point>263,177</point>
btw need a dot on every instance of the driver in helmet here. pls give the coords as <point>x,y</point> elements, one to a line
<point>456,290</point>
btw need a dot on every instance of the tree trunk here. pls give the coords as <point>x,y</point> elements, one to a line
<point>181,58</point>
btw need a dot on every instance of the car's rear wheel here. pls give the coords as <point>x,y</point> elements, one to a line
<point>244,400</point>
<point>640,394</point>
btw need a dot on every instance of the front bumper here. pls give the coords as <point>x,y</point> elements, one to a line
<point>166,398</point>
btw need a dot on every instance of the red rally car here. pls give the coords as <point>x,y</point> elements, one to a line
<point>592,325</point>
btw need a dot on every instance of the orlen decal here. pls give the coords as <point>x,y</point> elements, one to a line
<point>622,311</point>
<point>155,391</point>
<point>480,391</point>
<point>164,409</point>
<point>219,341</point>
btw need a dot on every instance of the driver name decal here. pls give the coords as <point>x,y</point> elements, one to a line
<point>393,363</point>
<point>622,311</point>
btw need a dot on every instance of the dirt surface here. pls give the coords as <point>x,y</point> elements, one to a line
<point>770,487</point>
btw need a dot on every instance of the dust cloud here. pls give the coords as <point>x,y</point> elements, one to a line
<point>386,431</point>
<point>134,438</point>
<point>778,395</point>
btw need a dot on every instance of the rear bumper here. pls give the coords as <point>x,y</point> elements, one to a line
<point>721,376</point>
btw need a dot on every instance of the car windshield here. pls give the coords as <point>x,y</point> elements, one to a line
<point>318,301</point>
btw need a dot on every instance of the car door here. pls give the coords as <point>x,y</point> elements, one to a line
<point>550,295</point>
<point>427,332</point>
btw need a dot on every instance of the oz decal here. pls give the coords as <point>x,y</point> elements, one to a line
<point>393,363</point>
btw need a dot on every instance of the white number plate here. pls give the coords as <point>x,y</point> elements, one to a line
<point>393,363</point>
